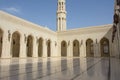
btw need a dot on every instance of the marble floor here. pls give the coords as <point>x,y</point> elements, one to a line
<point>60,69</point>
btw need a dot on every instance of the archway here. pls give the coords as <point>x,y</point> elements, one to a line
<point>89,48</point>
<point>40,47</point>
<point>1,41</point>
<point>15,44</point>
<point>104,44</point>
<point>29,46</point>
<point>48,48</point>
<point>64,49</point>
<point>76,48</point>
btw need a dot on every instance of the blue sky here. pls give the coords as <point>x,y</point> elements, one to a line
<point>80,13</point>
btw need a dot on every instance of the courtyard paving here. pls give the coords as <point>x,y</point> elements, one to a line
<point>60,69</point>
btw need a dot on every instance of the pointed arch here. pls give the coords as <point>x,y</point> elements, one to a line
<point>104,45</point>
<point>1,41</point>
<point>89,48</point>
<point>76,48</point>
<point>40,47</point>
<point>49,48</point>
<point>29,46</point>
<point>15,44</point>
<point>64,49</point>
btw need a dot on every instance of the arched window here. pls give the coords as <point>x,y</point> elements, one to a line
<point>59,5</point>
<point>64,49</point>
<point>15,44</point>
<point>76,48</point>
<point>104,44</point>
<point>29,46</point>
<point>89,48</point>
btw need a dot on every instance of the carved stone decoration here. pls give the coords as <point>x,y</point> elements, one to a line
<point>46,41</point>
<point>9,35</point>
<point>37,40</point>
<point>96,41</point>
<point>81,42</point>
<point>55,43</point>
<point>25,39</point>
<point>68,43</point>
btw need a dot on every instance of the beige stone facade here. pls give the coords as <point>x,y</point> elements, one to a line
<point>23,39</point>
<point>17,34</point>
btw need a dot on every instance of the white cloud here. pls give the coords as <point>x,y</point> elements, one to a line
<point>12,10</point>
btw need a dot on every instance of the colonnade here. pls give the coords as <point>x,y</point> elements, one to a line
<point>19,45</point>
<point>89,48</point>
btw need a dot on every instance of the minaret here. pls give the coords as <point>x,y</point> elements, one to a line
<point>61,15</point>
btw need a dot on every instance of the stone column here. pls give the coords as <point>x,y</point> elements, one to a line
<point>59,49</point>
<point>44,48</point>
<point>23,42</point>
<point>56,49</point>
<point>83,49</point>
<point>51,48</point>
<point>35,47</point>
<point>69,49</point>
<point>99,50</point>
<point>6,45</point>
<point>96,49</point>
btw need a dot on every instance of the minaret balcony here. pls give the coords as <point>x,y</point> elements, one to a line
<point>61,12</point>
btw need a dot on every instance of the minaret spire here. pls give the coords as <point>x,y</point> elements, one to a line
<point>61,15</point>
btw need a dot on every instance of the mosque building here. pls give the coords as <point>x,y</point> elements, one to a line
<point>22,39</point>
